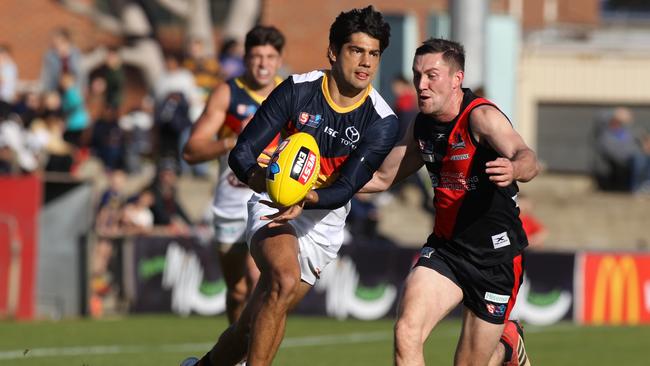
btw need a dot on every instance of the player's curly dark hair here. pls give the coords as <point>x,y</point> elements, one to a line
<point>366,20</point>
<point>452,52</point>
<point>261,35</point>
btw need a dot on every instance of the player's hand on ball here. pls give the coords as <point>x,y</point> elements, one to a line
<point>293,169</point>
<point>286,213</point>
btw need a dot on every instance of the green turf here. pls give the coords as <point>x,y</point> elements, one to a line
<point>165,340</point>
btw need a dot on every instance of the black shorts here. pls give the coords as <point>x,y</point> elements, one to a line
<point>489,292</point>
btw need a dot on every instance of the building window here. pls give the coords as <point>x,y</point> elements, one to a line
<point>625,10</point>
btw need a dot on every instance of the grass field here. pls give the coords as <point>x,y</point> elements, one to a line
<point>165,340</point>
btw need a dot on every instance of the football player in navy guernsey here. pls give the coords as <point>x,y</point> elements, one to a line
<point>475,254</point>
<point>355,129</point>
<point>230,106</point>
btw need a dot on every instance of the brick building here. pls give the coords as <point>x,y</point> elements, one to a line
<point>25,25</point>
<point>564,48</point>
<point>306,23</point>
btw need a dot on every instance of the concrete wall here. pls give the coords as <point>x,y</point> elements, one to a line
<point>588,77</point>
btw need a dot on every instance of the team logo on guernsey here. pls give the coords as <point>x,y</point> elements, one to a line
<point>246,109</point>
<point>311,120</point>
<point>352,134</point>
<point>303,165</point>
<point>458,143</point>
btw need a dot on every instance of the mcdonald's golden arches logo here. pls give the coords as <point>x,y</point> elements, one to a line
<point>614,288</point>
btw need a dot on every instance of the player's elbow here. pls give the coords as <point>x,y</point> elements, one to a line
<point>237,161</point>
<point>190,154</point>
<point>189,158</point>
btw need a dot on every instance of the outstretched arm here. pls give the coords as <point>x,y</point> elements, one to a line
<point>403,160</point>
<point>517,162</point>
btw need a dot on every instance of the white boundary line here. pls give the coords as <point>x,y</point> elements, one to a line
<point>332,339</point>
<point>291,342</point>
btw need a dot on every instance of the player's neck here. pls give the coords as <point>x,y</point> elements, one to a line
<point>341,92</point>
<point>261,90</point>
<point>451,110</point>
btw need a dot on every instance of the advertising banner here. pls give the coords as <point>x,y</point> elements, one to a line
<point>546,295</point>
<point>614,289</point>
<point>362,283</point>
<point>176,274</point>
<point>20,199</point>
<point>183,276</point>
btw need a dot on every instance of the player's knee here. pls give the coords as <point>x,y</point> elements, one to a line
<point>238,292</point>
<point>285,285</point>
<point>407,333</point>
<point>252,278</point>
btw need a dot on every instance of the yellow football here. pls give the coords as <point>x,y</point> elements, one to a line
<point>293,169</point>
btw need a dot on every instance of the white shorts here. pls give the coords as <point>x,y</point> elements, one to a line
<point>320,234</point>
<point>229,230</point>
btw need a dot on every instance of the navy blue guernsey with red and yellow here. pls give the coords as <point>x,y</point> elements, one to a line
<point>472,213</point>
<point>353,141</point>
<point>244,102</point>
<point>231,195</point>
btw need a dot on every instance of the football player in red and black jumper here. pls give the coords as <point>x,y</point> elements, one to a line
<point>475,254</point>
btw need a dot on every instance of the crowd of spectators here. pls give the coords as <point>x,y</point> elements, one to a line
<point>73,116</point>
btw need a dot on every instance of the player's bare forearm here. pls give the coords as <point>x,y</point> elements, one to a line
<point>285,214</point>
<point>378,183</point>
<point>200,150</point>
<point>398,165</point>
<point>525,165</point>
